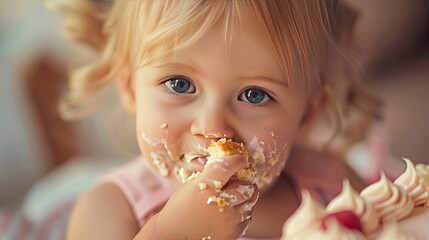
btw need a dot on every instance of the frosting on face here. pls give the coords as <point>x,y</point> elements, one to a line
<point>349,199</point>
<point>392,202</point>
<point>415,185</point>
<point>168,156</point>
<point>160,153</point>
<point>267,160</point>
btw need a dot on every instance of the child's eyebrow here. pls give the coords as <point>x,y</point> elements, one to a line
<point>245,77</point>
<point>175,65</point>
<point>265,79</point>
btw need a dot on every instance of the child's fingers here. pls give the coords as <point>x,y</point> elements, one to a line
<point>248,205</point>
<point>237,192</point>
<point>217,174</point>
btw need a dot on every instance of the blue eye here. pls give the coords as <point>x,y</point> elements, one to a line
<point>180,85</point>
<point>254,96</point>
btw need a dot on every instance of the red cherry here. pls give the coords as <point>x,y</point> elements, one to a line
<point>347,219</point>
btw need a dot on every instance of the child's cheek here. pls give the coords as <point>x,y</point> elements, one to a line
<point>158,147</point>
<point>268,158</point>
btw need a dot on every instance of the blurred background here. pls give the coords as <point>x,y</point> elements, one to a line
<point>390,38</point>
<point>34,64</point>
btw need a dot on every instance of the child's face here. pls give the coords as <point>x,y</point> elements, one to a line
<point>203,93</point>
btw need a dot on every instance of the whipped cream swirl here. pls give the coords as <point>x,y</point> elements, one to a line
<point>305,219</point>
<point>423,172</point>
<point>415,185</point>
<point>391,201</point>
<point>305,224</point>
<point>349,199</point>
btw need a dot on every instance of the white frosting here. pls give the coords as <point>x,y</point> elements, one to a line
<point>415,186</point>
<point>183,175</point>
<point>162,168</point>
<point>386,200</point>
<point>266,160</point>
<point>246,190</point>
<point>423,172</point>
<point>161,154</point>
<point>246,207</point>
<point>305,218</point>
<point>256,150</point>
<point>391,201</point>
<point>349,199</point>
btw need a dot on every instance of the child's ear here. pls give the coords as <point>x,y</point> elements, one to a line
<point>314,110</point>
<point>126,90</point>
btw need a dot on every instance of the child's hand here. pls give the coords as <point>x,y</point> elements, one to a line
<point>195,212</point>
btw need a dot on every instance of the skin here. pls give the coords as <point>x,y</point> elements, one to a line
<point>214,107</point>
<point>171,124</point>
<point>215,110</point>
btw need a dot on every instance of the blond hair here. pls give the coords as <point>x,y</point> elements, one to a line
<point>136,33</point>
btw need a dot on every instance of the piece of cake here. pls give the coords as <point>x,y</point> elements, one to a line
<point>217,150</point>
<point>224,147</point>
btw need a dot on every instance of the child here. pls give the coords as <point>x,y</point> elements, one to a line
<point>192,72</point>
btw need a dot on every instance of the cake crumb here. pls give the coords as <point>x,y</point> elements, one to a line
<point>183,174</point>
<point>193,176</point>
<point>221,201</point>
<point>202,186</point>
<point>217,184</point>
<point>164,125</point>
<point>211,199</point>
<point>162,168</point>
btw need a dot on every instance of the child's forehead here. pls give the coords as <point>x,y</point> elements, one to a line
<point>242,45</point>
<point>161,32</point>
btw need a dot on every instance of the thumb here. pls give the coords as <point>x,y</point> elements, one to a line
<point>218,173</point>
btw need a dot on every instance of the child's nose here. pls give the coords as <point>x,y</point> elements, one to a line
<point>212,123</point>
